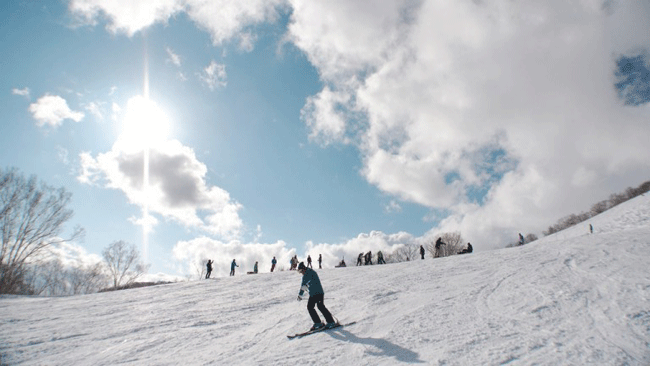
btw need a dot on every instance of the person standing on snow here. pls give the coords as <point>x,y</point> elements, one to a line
<point>273,262</point>
<point>232,267</point>
<point>422,251</point>
<point>320,261</point>
<point>209,265</point>
<point>309,262</point>
<point>311,283</point>
<point>380,258</point>
<point>439,245</point>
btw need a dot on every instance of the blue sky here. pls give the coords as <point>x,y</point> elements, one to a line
<point>322,127</point>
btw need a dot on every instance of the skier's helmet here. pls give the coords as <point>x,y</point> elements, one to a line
<point>301,266</point>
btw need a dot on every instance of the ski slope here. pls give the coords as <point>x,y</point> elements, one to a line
<point>572,298</point>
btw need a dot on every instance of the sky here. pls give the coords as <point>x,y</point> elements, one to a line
<point>572,298</point>
<point>221,130</point>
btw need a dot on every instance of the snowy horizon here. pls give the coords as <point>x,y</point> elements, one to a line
<point>571,298</point>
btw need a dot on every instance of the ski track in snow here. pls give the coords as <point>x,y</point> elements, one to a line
<point>571,298</point>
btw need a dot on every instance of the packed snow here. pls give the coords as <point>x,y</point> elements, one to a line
<point>572,298</point>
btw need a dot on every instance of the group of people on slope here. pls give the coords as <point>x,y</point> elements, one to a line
<point>362,259</point>
<point>439,250</point>
<point>233,265</point>
<point>293,262</point>
<point>366,258</point>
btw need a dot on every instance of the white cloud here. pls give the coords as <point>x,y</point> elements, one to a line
<point>247,41</point>
<point>24,92</point>
<point>214,75</point>
<point>173,58</point>
<point>324,115</point>
<point>177,186</point>
<point>70,254</point>
<point>115,111</point>
<point>95,108</point>
<point>125,16</point>
<point>223,19</point>
<point>393,206</point>
<point>62,154</point>
<point>52,110</point>
<point>512,99</point>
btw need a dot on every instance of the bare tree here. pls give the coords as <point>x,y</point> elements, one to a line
<point>53,278</point>
<point>201,268</point>
<point>31,218</point>
<point>86,279</point>
<point>123,261</point>
<point>406,252</point>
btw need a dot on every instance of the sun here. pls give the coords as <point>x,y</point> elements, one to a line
<point>145,125</point>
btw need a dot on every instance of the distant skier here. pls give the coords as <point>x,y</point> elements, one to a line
<point>255,267</point>
<point>369,258</point>
<point>591,229</point>
<point>273,262</point>
<point>320,261</point>
<point>466,250</point>
<point>232,267</point>
<point>359,259</point>
<point>521,239</point>
<point>422,251</point>
<point>311,283</point>
<point>438,247</point>
<point>309,262</point>
<point>380,258</point>
<point>209,265</point>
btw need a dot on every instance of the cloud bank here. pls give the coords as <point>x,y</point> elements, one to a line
<point>502,113</point>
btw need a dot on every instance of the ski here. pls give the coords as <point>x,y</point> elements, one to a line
<point>338,325</point>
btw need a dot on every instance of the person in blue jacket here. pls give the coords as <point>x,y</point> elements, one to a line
<point>311,283</point>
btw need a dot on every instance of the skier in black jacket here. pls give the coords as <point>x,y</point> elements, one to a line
<point>209,265</point>
<point>439,245</point>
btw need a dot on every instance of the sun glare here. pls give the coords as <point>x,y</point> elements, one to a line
<point>145,125</point>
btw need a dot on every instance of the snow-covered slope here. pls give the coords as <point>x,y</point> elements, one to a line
<point>572,298</point>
